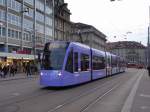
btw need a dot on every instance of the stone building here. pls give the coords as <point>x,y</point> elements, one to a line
<point>62,21</point>
<point>88,35</point>
<point>26,25</point>
<point>132,51</point>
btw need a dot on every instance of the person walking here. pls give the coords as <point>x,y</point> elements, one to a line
<point>28,69</point>
<point>1,71</point>
<point>148,68</point>
<point>5,71</point>
<point>12,70</point>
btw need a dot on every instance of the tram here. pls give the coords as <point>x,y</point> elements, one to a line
<point>71,63</point>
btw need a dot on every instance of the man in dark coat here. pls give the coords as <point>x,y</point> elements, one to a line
<point>148,68</point>
<point>5,70</point>
<point>12,70</point>
<point>28,69</point>
<point>1,71</point>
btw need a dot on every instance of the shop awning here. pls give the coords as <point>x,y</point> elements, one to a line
<point>18,56</point>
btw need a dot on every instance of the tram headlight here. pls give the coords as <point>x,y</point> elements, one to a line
<point>41,73</point>
<point>59,73</point>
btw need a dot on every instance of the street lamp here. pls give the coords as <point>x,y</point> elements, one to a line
<point>24,10</point>
<point>33,41</point>
<point>5,43</point>
<point>148,43</point>
<point>53,8</point>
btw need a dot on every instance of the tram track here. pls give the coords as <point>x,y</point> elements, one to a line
<point>84,94</point>
<point>100,97</point>
<point>31,96</point>
<point>86,107</point>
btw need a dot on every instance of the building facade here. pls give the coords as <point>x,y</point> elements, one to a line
<point>132,51</point>
<point>88,35</point>
<point>62,21</point>
<point>25,25</point>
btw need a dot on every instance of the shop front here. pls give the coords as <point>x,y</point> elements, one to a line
<point>19,60</point>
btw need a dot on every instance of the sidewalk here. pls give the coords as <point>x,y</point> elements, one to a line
<point>141,101</point>
<point>18,76</point>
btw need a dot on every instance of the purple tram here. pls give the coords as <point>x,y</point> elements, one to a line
<point>72,63</point>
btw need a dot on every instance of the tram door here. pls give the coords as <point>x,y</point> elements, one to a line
<point>85,65</point>
<point>81,65</point>
<point>76,63</point>
<point>108,65</point>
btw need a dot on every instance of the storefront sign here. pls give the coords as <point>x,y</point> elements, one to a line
<point>23,52</point>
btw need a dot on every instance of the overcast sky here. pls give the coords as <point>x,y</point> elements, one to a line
<point>114,18</point>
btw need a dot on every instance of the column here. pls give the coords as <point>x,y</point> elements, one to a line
<point>22,25</point>
<point>6,17</point>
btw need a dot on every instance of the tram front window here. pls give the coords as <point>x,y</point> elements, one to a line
<point>53,56</point>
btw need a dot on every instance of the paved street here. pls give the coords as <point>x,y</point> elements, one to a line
<point>125,92</point>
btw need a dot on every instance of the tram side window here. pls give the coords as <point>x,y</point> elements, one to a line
<point>114,62</point>
<point>76,62</point>
<point>69,64</point>
<point>98,63</point>
<point>84,62</point>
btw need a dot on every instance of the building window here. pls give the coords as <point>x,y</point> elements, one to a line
<point>40,28</point>
<point>16,35</point>
<point>14,5</point>
<point>48,38</point>
<point>28,24</point>
<point>0,31</point>
<point>48,10</point>
<point>9,33</point>
<point>3,31</point>
<point>49,21</point>
<point>39,5</point>
<point>12,34</point>
<point>24,36</point>
<point>30,13</point>
<point>84,62</point>
<point>31,2</point>
<point>3,2</point>
<point>39,17</point>
<point>27,37</point>
<point>2,15</point>
<point>20,35</point>
<point>49,31</point>
<point>14,19</point>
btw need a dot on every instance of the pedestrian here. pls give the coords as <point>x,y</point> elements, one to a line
<point>5,70</point>
<point>1,71</point>
<point>12,70</point>
<point>15,69</point>
<point>28,69</point>
<point>148,68</point>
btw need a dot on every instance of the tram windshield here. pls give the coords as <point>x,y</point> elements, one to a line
<point>53,55</point>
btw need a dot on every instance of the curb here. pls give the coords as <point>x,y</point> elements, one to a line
<point>2,80</point>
